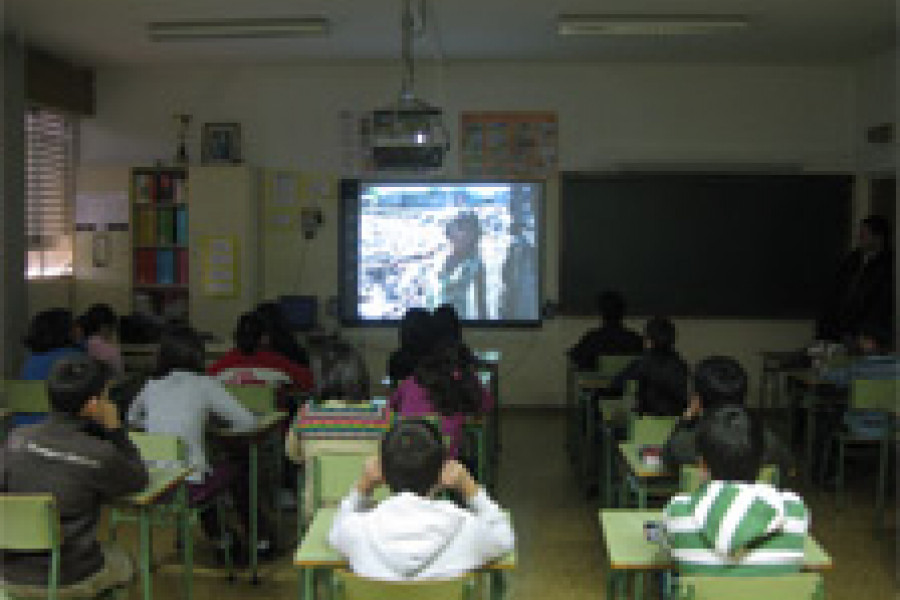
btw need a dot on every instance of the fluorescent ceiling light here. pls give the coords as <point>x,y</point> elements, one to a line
<point>649,24</point>
<point>237,29</point>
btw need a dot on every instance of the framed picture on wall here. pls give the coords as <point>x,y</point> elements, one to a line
<point>221,143</point>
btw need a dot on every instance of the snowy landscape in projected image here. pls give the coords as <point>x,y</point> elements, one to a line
<point>470,245</point>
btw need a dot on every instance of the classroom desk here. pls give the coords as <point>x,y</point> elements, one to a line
<point>265,426</point>
<point>162,482</point>
<point>631,554</point>
<point>639,475</point>
<point>774,364</point>
<point>581,437</point>
<point>811,399</point>
<point>314,554</point>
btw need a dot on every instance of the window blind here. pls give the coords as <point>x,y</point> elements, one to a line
<point>49,191</point>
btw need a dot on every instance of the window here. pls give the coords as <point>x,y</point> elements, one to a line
<point>49,192</point>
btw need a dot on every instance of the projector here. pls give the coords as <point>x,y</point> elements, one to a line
<point>409,136</point>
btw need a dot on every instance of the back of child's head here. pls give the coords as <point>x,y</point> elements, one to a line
<point>249,333</point>
<point>417,332</point>
<point>720,380</point>
<point>412,456</point>
<point>611,305</point>
<point>661,333</point>
<point>180,349</point>
<point>97,318</point>
<point>49,330</point>
<point>447,327</point>
<point>73,380</point>
<point>730,442</point>
<point>339,371</point>
<point>447,372</point>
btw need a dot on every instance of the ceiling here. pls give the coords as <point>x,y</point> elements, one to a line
<point>102,32</point>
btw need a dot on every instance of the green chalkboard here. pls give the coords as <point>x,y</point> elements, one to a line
<point>703,244</point>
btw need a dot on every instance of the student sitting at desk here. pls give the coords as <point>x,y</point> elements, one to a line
<point>180,401</point>
<point>250,362</point>
<point>416,339</point>
<point>411,535</point>
<point>611,338</point>
<point>83,457</point>
<point>718,381</point>
<point>661,373</point>
<point>732,525</point>
<point>444,383</point>
<point>49,339</point>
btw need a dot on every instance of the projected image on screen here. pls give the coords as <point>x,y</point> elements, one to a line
<point>473,246</point>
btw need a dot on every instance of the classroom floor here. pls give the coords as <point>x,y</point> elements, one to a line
<point>560,553</point>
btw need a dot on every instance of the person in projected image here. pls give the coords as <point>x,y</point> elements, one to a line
<point>462,277</point>
<point>520,271</point>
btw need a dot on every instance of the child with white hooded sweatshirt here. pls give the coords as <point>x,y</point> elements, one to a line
<point>733,525</point>
<point>411,535</point>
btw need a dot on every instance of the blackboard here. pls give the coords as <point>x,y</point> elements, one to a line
<point>703,244</point>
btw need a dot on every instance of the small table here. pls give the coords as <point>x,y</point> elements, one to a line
<point>631,554</point>
<point>162,482</point>
<point>265,426</point>
<point>774,364</point>
<point>314,553</point>
<point>640,475</point>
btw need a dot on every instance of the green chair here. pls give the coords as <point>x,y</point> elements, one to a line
<point>876,395</point>
<point>30,523</point>
<point>22,396</point>
<point>334,475</point>
<point>164,450</point>
<point>691,477</point>
<point>650,430</point>
<point>348,586</point>
<point>795,586</point>
<point>258,399</point>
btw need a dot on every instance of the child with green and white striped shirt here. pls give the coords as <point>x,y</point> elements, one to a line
<point>732,525</point>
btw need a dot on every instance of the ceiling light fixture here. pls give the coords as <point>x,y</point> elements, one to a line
<point>649,25</point>
<point>237,29</point>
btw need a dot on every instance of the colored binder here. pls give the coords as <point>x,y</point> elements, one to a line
<point>144,189</point>
<point>180,195</point>
<point>181,266</point>
<point>181,226</point>
<point>165,187</point>
<point>145,269</point>
<point>146,226</point>
<point>165,226</point>
<point>165,267</point>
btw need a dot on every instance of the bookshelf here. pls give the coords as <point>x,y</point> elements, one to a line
<point>160,241</point>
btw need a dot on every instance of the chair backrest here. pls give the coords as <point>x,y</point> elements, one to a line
<point>874,394</point>
<point>795,586</point>
<point>258,399</point>
<point>691,477</point>
<point>651,430</point>
<point>159,446</point>
<point>612,364</point>
<point>30,522</point>
<point>352,587</point>
<point>23,396</point>
<point>334,475</point>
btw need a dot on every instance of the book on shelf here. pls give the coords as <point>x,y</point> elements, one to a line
<point>146,227</point>
<point>145,266</point>
<point>180,191</point>
<point>181,266</point>
<point>144,188</point>
<point>165,226</point>
<point>165,267</point>
<point>181,226</point>
<point>165,187</point>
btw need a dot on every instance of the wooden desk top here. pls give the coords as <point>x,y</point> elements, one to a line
<point>631,454</point>
<point>627,548</point>
<point>314,550</point>
<point>162,481</point>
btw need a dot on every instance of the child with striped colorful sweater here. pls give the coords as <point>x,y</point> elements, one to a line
<point>732,525</point>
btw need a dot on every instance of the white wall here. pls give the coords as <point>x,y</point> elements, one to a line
<point>608,114</point>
